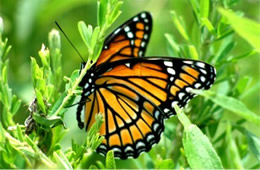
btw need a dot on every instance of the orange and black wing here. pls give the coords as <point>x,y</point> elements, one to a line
<point>128,40</point>
<point>136,95</point>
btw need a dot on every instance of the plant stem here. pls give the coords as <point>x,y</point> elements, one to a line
<point>74,87</point>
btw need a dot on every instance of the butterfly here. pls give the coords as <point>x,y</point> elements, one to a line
<point>134,93</point>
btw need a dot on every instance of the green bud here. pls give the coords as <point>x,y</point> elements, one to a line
<point>54,40</point>
<point>44,54</point>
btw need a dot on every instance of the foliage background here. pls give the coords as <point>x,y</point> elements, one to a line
<point>28,22</point>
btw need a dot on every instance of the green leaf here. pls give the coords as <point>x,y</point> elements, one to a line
<point>40,100</point>
<point>210,27</point>
<point>227,49</point>
<point>254,143</point>
<point>232,152</point>
<point>246,28</point>
<point>116,12</point>
<point>57,104</point>
<point>197,147</point>
<point>44,54</point>
<point>182,117</point>
<point>16,103</point>
<point>196,8</point>
<point>243,84</point>
<point>92,167</point>
<point>95,37</point>
<point>204,8</point>
<point>85,33</point>
<point>165,164</point>
<point>102,10</point>
<point>36,72</point>
<point>49,122</point>
<point>62,160</point>
<point>110,161</point>
<point>231,104</point>
<point>193,52</point>
<point>179,26</point>
<point>173,44</point>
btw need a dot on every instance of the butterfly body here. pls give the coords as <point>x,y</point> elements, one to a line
<point>136,94</point>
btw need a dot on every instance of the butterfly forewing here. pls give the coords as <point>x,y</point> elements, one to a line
<point>128,40</point>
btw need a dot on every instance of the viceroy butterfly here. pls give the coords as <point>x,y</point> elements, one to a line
<point>134,93</point>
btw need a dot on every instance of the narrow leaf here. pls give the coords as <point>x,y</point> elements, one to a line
<point>204,8</point>
<point>246,28</point>
<point>179,26</point>
<point>197,147</point>
<point>62,160</point>
<point>110,161</point>
<point>254,144</point>
<point>231,104</point>
<point>173,44</point>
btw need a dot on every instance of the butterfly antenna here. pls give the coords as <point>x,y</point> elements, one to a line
<point>69,41</point>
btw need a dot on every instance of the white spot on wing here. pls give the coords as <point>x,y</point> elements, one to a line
<point>188,89</point>
<point>130,35</point>
<point>168,63</point>
<point>89,80</point>
<point>155,127</point>
<point>129,148</point>
<point>86,86</point>
<point>145,36</point>
<point>140,144</point>
<point>171,71</point>
<point>127,29</point>
<point>140,53</point>
<point>174,103</point>
<point>135,19</point>
<point>150,137</point>
<point>102,147</point>
<point>87,93</point>
<point>143,15</point>
<point>181,95</point>
<point>202,78</point>
<point>117,31</point>
<point>203,71</point>
<point>117,150</point>
<point>147,27</point>
<point>200,64</point>
<point>127,65</point>
<point>197,85</point>
<point>156,114</point>
<point>171,78</point>
<point>188,62</point>
<point>166,110</point>
<point>143,44</point>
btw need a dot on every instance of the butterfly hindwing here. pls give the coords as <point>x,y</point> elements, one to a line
<point>136,95</point>
<point>128,40</point>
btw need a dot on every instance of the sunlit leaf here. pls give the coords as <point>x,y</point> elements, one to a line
<point>246,28</point>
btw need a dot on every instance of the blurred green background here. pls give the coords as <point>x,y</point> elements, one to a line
<point>28,22</point>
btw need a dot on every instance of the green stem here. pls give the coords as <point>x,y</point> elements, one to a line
<point>74,87</point>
